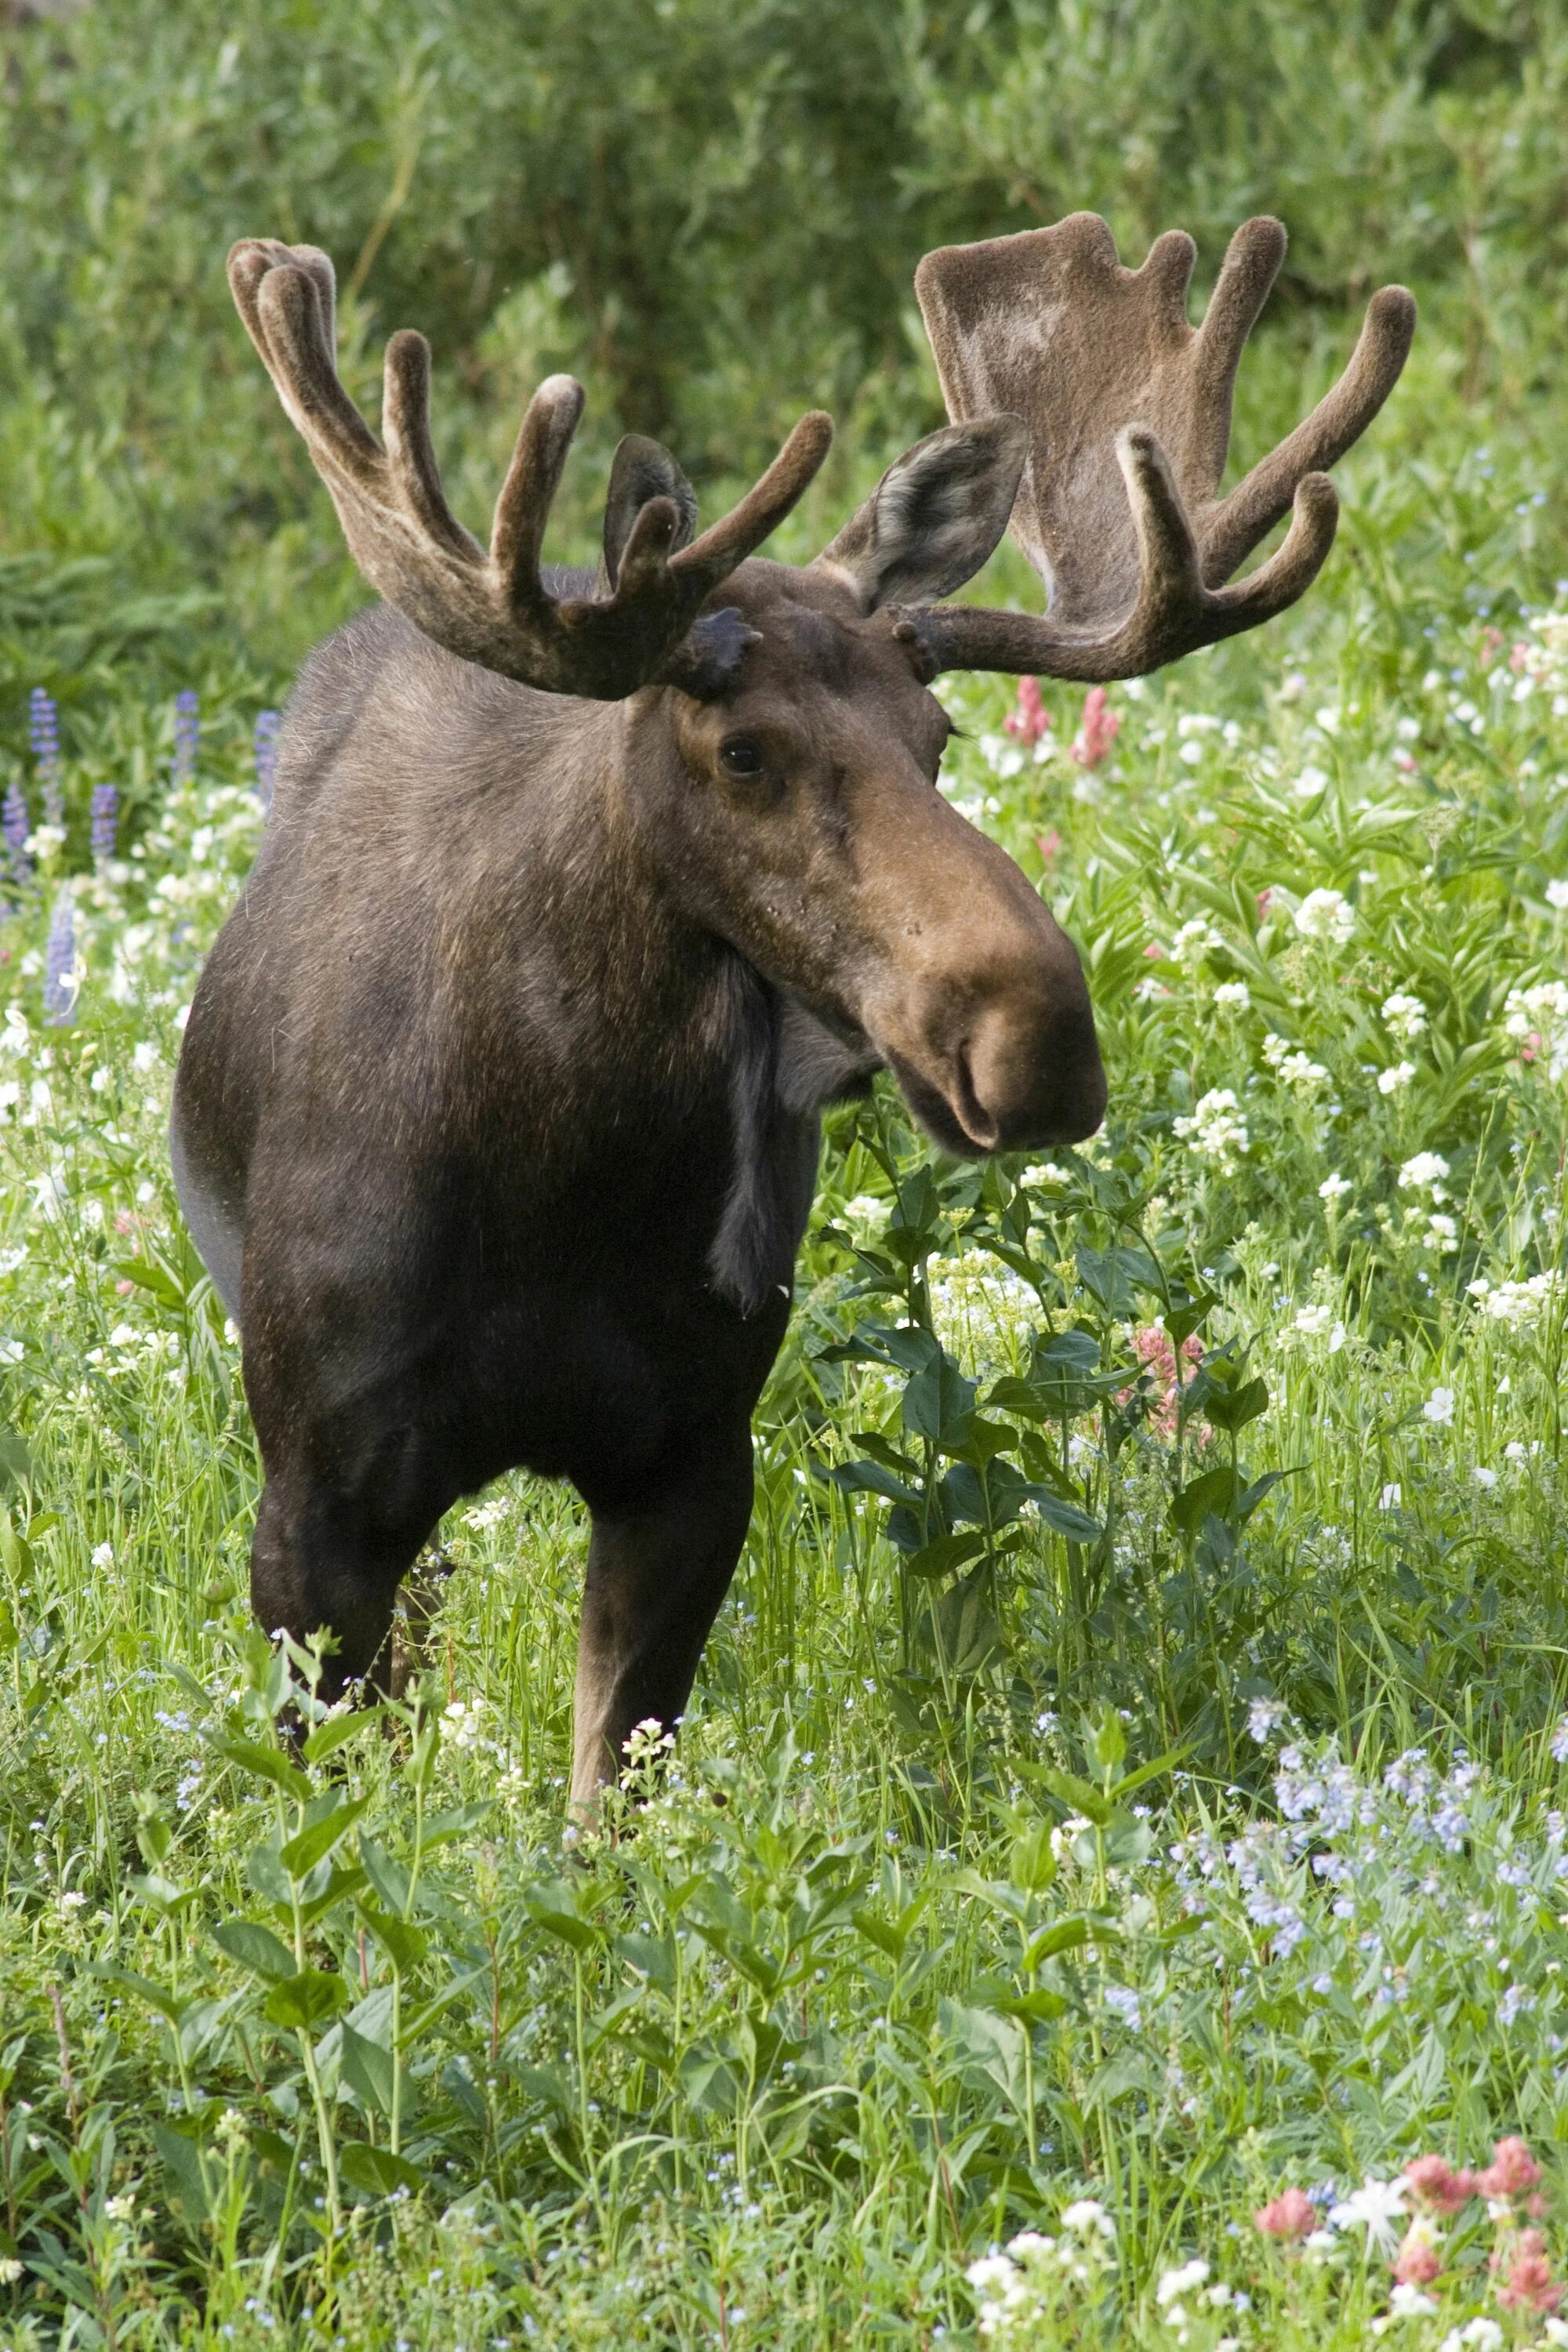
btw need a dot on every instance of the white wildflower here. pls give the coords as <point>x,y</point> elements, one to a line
<point>1194,940</point>
<point>1325,915</point>
<point>1440,1407</point>
<point>1404,1015</point>
<point>1232,996</point>
<point>1175,2283</point>
<point>1215,1129</point>
<point>1424,1173</point>
<point>1391,1081</point>
<point>1309,783</point>
<point>1515,1303</point>
<point>103,1555</point>
<point>1557,894</point>
<point>1334,1188</point>
<point>1376,2207</point>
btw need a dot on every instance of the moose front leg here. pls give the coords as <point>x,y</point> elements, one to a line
<point>656,1577</point>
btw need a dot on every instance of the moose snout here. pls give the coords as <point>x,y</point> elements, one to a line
<point>1028,1072</point>
<point>1006,1061</point>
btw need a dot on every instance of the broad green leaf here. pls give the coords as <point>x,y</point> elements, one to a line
<point>376,2171</point>
<point>307,2001</point>
<point>267,1763</point>
<point>256,1948</point>
<point>301,1853</point>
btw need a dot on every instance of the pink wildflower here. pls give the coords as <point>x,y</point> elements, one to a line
<point>1154,1350</point>
<point>1511,2171</point>
<point>1047,844</point>
<point>1491,645</point>
<point>1530,1047</point>
<point>1530,2286</point>
<point>1265,900</point>
<point>1098,730</point>
<point>1030,719</point>
<point>1518,654</point>
<point>1289,2215</point>
<point>1404,762</point>
<point>1436,2183</point>
<point>1417,2262</point>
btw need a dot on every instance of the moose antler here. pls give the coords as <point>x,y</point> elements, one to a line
<point>495,609</point>
<point>1128,411</point>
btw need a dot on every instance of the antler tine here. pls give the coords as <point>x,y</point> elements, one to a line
<point>1129,417</point>
<point>493,608</point>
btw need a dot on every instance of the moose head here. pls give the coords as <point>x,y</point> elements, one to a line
<point>582,895</point>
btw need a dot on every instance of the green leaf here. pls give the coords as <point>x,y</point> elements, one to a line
<point>256,1948</point>
<point>148,1276</point>
<point>376,2172</point>
<point>945,1553</point>
<point>1077,1796</point>
<point>400,1939</point>
<point>307,2001</point>
<point>1232,1410</point>
<point>1214,1491</point>
<point>552,1908</point>
<point>368,2069</point>
<point>335,1733</point>
<point>868,1479</point>
<point>182,2161</point>
<point>313,1844</point>
<point>142,1989</point>
<point>267,1763</point>
<point>390,1878</point>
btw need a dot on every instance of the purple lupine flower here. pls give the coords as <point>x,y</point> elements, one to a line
<point>43,736</point>
<point>187,734</point>
<point>105,822</point>
<point>16,824</point>
<point>60,962</point>
<point>267,723</point>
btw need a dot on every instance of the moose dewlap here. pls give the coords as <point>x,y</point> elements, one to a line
<point>496,1118</point>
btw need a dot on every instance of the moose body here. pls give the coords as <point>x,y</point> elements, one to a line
<point>496,1122</point>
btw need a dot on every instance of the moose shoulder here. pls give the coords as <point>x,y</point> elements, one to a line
<point>495,1121</point>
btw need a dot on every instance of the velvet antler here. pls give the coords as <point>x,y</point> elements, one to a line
<point>1128,411</point>
<point>495,609</point>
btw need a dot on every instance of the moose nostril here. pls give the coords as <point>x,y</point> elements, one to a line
<point>979,1124</point>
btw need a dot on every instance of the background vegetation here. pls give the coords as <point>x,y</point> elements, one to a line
<point>1127,1778</point>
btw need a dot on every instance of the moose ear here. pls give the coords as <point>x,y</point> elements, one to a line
<point>935,515</point>
<point>640,470</point>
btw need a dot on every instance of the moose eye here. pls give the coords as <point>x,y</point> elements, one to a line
<point>741,756</point>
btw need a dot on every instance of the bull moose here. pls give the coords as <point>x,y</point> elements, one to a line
<point>581,895</point>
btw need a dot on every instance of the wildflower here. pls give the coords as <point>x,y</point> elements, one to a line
<point>1515,1303</point>
<point>1153,1348</point>
<point>1511,2171</point>
<point>1098,729</point>
<point>1334,1188</point>
<point>1404,1015</point>
<point>1375,2206</point>
<point>1393,1081</point>
<point>1214,1129</point>
<point>1047,844</point>
<point>17,827</point>
<point>1264,1718</point>
<point>1418,2263</point>
<point>120,2209</point>
<point>1177,2282</point>
<point>1194,940</point>
<point>1308,783</point>
<point>1442,1234</point>
<point>44,737</point>
<point>1530,2286</point>
<point>1423,1172</point>
<point>1439,1408</point>
<point>1123,2002</point>
<point>1029,721</point>
<point>1557,894</point>
<point>103,1555</point>
<point>1086,2217</point>
<point>105,822</point>
<point>1232,996</point>
<point>1484,1477</point>
<point>10,2270</point>
<point>187,734</point>
<point>1325,915</point>
<point>1560,1743</point>
<point>1538,1018</point>
<point>1481,2335</point>
<point>1289,2215</point>
<point>1439,2185</point>
<point>61,980</point>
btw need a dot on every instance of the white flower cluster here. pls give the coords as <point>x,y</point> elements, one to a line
<point>1194,940</point>
<point>1026,2283</point>
<point>1424,1173</point>
<point>1325,915</point>
<point>1215,1129</point>
<point>979,1306</point>
<point>1516,1304</point>
<point>1191,2279</point>
<point>1297,1070</point>
<point>1538,1018</point>
<point>1405,1016</point>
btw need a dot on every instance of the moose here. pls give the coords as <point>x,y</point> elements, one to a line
<point>582,895</point>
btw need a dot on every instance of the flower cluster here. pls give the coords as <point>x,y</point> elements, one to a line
<point>1215,1129</point>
